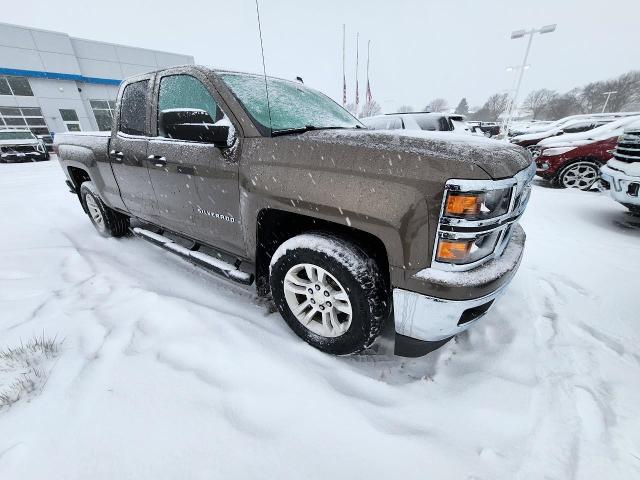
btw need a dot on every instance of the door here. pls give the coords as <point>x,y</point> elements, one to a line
<point>196,182</point>
<point>128,151</point>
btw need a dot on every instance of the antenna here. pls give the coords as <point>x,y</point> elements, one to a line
<point>264,68</point>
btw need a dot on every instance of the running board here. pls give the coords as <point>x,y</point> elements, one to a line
<point>201,259</point>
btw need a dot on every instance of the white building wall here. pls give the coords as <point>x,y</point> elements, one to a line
<point>35,50</point>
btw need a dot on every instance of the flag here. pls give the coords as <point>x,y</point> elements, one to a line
<point>344,90</point>
<point>344,75</point>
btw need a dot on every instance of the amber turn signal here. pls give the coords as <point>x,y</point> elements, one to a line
<point>451,250</point>
<point>462,204</point>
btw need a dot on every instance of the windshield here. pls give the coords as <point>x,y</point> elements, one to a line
<point>16,136</point>
<point>293,106</point>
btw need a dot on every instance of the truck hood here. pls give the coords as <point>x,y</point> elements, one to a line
<point>497,159</point>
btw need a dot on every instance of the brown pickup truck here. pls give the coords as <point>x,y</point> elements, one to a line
<point>269,181</point>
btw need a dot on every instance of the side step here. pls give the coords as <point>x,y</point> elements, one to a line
<point>201,259</point>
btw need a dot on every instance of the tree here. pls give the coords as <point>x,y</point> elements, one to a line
<point>370,109</point>
<point>405,109</point>
<point>463,107</point>
<point>437,105</point>
<point>495,105</point>
<point>566,104</point>
<point>537,102</point>
<point>627,87</point>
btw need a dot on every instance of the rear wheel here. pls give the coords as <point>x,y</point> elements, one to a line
<point>107,221</point>
<point>329,292</point>
<point>582,175</point>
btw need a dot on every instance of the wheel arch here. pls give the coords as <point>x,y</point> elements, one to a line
<point>78,176</point>
<point>275,226</point>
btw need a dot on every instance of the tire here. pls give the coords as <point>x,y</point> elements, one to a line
<point>582,174</point>
<point>107,221</point>
<point>350,279</point>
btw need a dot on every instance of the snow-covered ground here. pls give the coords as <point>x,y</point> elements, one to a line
<point>168,372</point>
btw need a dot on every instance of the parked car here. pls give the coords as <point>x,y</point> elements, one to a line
<point>21,146</point>
<point>621,175</point>
<point>576,164</point>
<point>607,130</point>
<point>489,129</point>
<point>573,126</point>
<point>429,121</point>
<point>542,126</point>
<point>533,126</point>
<point>342,225</point>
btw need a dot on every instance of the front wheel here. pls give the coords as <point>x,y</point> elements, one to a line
<point>329,292</point>
<point>107,221</point>
<point>582,175</point>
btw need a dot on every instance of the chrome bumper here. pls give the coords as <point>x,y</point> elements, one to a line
<point>433,319</point>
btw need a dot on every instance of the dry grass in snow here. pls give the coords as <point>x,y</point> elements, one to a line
<point>24,369</point>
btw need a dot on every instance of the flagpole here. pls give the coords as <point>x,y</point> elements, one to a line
<point>368,93</point>
<point>357,60</point>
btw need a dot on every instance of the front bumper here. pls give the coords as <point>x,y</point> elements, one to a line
<point>622,187</point>
<point>432,319</point>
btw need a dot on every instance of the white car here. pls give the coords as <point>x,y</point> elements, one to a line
<point>430,121</point>
<point>21,146</point>
<point>621,175</point>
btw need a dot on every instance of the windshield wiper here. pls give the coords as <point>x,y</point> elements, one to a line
<point>308,128</point>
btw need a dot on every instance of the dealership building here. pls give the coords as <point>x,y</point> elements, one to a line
<point>51,82</point>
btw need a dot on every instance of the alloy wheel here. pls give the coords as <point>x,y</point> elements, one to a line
<point>95,213</point>
<point>580,175</point>
<point>318,300</point>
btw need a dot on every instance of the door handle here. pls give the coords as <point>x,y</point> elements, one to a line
<point>158,160</point>
<point>116,155</point>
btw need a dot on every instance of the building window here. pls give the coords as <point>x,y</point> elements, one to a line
<point>18,86</point>
<point>103,111</point>
<point>23,118</point>
<point>70,119</point>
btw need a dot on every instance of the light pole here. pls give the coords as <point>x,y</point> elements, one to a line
<point>519,34</point>
<point>608,94</point>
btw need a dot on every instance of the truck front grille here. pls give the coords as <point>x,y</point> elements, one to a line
<point>628,148</point>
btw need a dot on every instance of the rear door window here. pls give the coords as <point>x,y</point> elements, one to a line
<point>133,108</point>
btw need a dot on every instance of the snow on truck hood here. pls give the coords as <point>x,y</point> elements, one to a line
<point>498,159</point>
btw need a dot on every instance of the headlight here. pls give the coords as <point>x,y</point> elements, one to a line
<point>40,147</point>
<point>556,151</point>
<point>466,250</point>
<point>477,205</point>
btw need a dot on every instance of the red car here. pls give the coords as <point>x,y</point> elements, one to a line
<point>575,165</point>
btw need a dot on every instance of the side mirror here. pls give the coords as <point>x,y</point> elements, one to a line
<point>193,125</point>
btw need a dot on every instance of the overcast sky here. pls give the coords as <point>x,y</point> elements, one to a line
<point>419,49</point>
